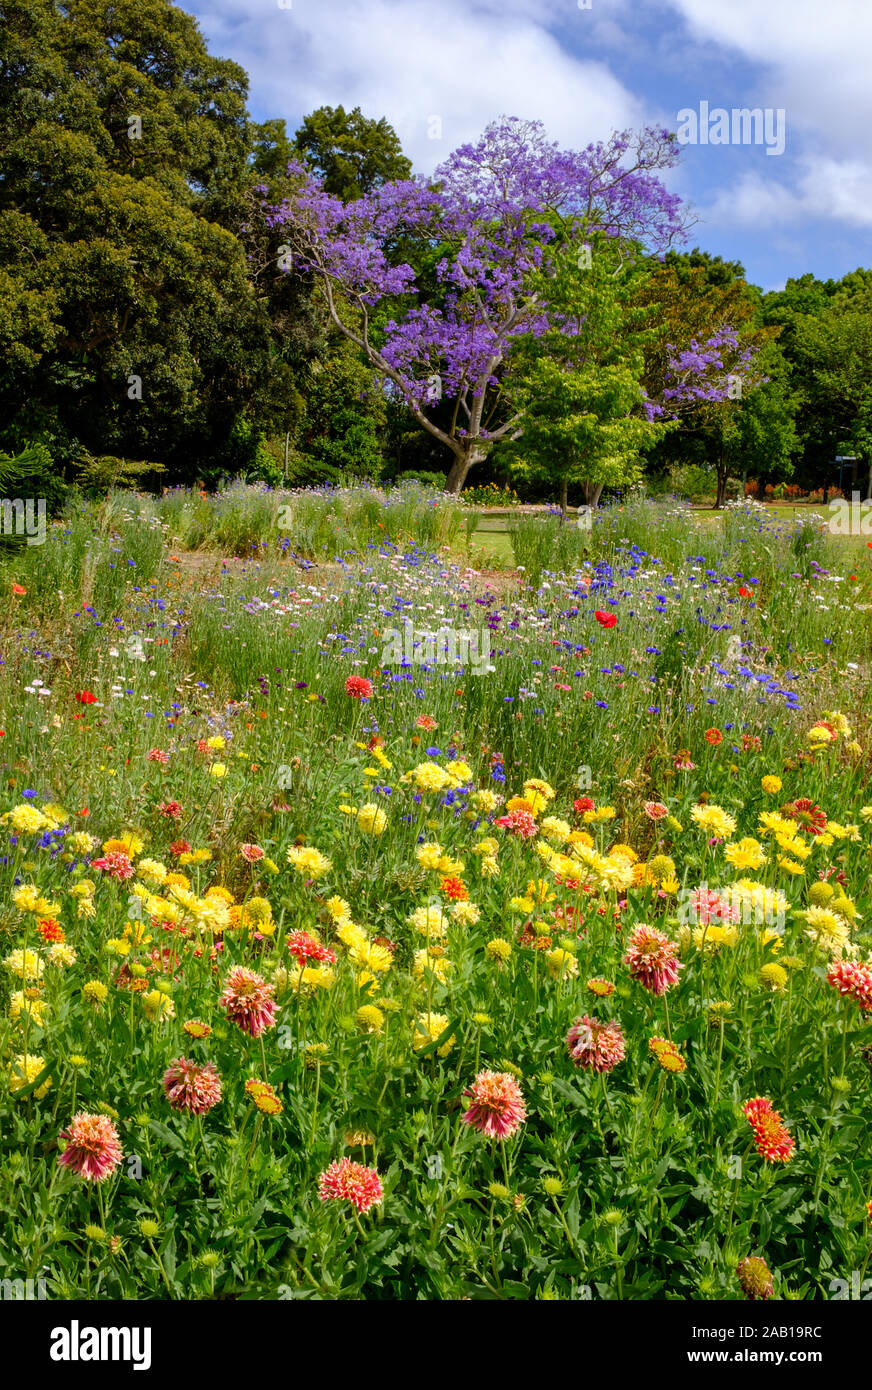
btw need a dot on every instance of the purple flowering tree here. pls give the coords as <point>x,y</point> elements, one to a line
<point>482,231</point>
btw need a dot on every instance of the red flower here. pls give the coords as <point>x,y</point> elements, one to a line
<point>17,589</point>
<point>358,687</point>
<point>714,737</point>
<point>84,697</point>
<point>584,803</point>
<point>773,1140</point>
<point>347,1181</point>
<point>743,592</point>
<point>605,619</point>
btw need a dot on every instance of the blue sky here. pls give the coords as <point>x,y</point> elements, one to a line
<point>439,70</point>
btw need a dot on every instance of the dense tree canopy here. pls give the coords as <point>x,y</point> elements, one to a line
<point>183,285</point>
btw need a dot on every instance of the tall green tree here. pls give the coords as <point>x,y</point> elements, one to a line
<point>352,153</point>
<point>127,320</point>
<point>579,386</point>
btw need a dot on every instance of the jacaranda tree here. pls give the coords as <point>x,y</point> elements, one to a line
<point>437,281</point>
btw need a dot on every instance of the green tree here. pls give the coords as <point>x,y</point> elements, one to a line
<point>127,320</point>
<point>579,386</point>
<point>352,153</point>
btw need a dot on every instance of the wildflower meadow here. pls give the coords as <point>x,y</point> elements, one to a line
<point>382,923</point>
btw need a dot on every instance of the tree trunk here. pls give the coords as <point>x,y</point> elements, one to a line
<point>461,466</point>
<point>564,493</point>
<point>722,488</point>
<point>592,493</point>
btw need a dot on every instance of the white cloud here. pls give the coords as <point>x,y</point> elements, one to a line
<point>825,189</point>
<point>815,58</point>
<point>467,63</point>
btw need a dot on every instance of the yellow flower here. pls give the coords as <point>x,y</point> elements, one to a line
<point>25,1068</point>
<point>430,921</point>
<point>429,855</point>
<point>827,929</point>
<point>466,914</point>
<point>128,844</point>
<point>555,829</point>
<point>449,866</point>
<point>790,866</point>
<point>26,964</point>
<point>339,909</point>
<point>152,869</point>
<point>118,945</point>
<point>96,991</point>
<point>216,742</point>
<point>428,1027</point>
<point>309,862</point>
<point>498,949</point>
<point>745,854</point>
<point>773,976</point>
<point>820,736</point>
<point>791,845</point>
<point>535,784</point>
<point>521,904</point>
<point>490,867</point>
<point>217,770</point>
<point>370,956</point>
<point>485,801</point>
<point>27,1003</point>
<point>59,953</point>
<point>459,769</point>
<point>157,1006</point>
<point>714,820</point>
<point>776,824</point>
<point>26,820</point>
<point>429,777</point>
<point>433,960</point>
<point>372,819</point>
<point>562,965</point>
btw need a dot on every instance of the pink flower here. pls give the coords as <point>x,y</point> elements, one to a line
<point>304,947</point>
<point>171,809</point>
<point>708,907</point>
<point>655,810</point>
<point>652,960</point>
<point>358,687</point>
<point>251,853</point>
<point>497,1108</point>
<point>596,1045</point>
<point>518,823</point>
<point>193,1086</point>
<point>116,864</point>
<point>93,1149</point>
<point>157,755</point>
<point>249,1001</point>
<point>854,979</point>
<point>347,1181</point>
<point>426,721</point>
